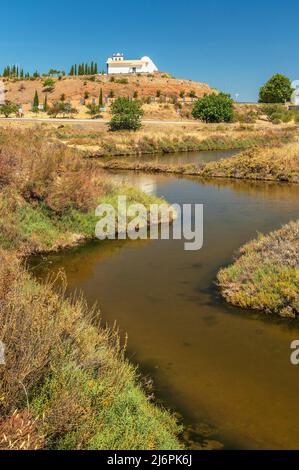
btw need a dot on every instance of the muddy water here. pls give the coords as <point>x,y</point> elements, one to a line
<point>180,157</point>
<point>213,363</point>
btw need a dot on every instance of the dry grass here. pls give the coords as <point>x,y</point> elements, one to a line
<point>75,88</point>
<point>71,372</point>
<point>271,164</point>
<point>20,432</point>
<point>60,362</point>
<point>266,274</point>
<point>270,161</point>
<point>48,193</point>
<point>170,138</point>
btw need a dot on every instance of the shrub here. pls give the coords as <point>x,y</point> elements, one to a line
<point>49,83</point>
<point>248,117</point>
<point>270,109</point>
<point>126,114</point>
<point>8,109</point>
<point>214,108</point>
<point>62,107</point>
<point>277,90</point>
<point>72,190</point>
<point>93,110</point>
<point>122,81</point>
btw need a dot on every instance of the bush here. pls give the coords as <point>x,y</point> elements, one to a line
<point>122,81</point>
<point>277,90</point>
<point>275,112</point>
<point>62,107</point>
<point>249,117</point>
<point>270,109</point>
<point>214,108</point>
<point>49,83</point>
<point>8,109</point>
<point>93,110</point>
<point>126,115</point>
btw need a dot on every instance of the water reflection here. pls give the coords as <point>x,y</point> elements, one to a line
<point>213,363</point>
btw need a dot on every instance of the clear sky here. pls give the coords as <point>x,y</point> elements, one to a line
<point>234,46</point>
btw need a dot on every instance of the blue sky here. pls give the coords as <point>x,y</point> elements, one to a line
<point>233,46</point>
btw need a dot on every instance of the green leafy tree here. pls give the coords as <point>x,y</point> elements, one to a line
<point>126,115</point>
<point>214,108</point>
<point>277,90</point>
<point>8,109</point>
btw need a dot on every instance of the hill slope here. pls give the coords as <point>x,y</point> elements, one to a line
<point>160,86</point>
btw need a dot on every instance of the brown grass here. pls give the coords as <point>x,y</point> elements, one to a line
<point>270,164</point>
<point>20,432</point>
<point>170,138</point>
<point>69,370</point>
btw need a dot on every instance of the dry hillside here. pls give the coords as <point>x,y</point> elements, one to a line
<point>75,88</point>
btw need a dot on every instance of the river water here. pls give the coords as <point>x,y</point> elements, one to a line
<point>211,362</point>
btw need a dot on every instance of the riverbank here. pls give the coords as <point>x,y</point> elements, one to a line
<point>95,143</point>
<point>280,163</point>
<point>265,276</point>
<point>63,369</point>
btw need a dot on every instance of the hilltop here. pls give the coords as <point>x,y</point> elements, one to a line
<point>157,91</point>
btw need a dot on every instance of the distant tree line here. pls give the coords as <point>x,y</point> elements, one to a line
<point>13,71</point>
<point>84,69</point>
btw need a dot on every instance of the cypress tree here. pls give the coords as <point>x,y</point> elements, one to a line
<point>101,98</point>
<point>46,103</point>
<point>75,70</point>
<point>36,100</point>
<point>72,71</point>
<point>95,68</point>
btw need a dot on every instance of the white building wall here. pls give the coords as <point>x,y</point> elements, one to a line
<point>147,67</point>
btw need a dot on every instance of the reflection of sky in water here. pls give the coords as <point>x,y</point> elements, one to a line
<point>211,362</point>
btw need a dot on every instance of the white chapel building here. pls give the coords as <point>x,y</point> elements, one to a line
<point>295,95</point>
<point>118,64</point>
